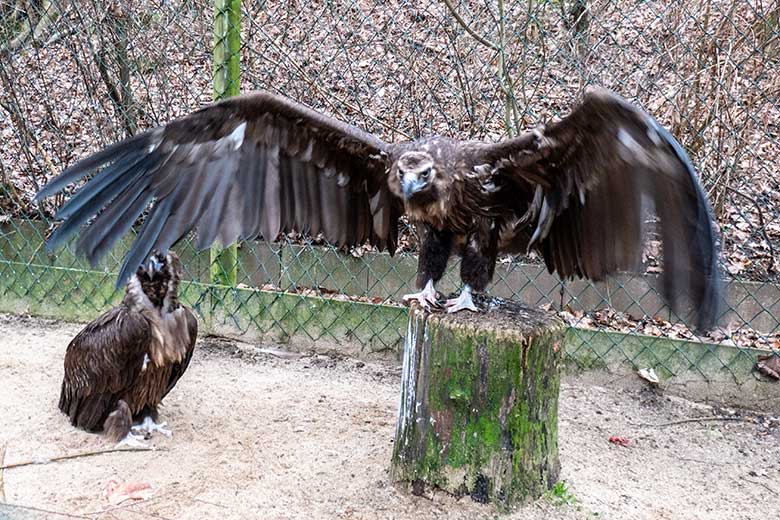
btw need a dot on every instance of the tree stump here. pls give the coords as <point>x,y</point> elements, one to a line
<point>479,403</point>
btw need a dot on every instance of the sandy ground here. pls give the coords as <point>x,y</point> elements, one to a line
<point>264,436</point>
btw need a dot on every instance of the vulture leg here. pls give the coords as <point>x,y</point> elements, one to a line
<point>435,251</point>
<point>149,427</point>
<point>117,424</point>
<point>477,266</point>
<point>146,411</point>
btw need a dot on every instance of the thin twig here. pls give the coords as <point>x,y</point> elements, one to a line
<point>210,503</point>
<point>693,420</point>
<point>327,94</point>
<point>82,454</point>
<point>481,39</point>
<point>771,268</point>
<point>708,462</point>
<point>130,506</point>
<point>2,483</point>
<point>61,35</point>
<point>757,483</point>
<point>505,82</point>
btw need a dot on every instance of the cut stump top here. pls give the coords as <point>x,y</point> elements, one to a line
<point>505,318</point>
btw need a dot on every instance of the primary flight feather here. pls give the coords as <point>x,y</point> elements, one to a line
<point>577,190</point>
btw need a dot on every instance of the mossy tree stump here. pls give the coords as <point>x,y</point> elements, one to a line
<point>479,403</point>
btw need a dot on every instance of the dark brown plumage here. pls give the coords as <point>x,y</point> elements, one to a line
<point>259,164</point>
<point>120,366</point>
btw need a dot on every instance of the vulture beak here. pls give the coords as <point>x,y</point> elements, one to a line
<point>411,184</point>
<point>152,265</point>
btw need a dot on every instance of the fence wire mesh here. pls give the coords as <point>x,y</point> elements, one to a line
<point>76,75</point>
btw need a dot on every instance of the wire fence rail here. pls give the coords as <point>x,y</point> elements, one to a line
<point>76,75</point>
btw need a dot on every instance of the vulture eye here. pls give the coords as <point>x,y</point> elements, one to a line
<point>426,173</point>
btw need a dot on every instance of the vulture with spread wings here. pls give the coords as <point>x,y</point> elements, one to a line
<point>577,190</point>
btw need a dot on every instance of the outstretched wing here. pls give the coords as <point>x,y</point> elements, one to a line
<point>101,363</point>
<point>256,164</point>
<point>590,180</point>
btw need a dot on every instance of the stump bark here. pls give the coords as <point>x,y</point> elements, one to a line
<point>479,403</point>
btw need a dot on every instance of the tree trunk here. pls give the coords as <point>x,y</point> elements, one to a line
<point>479,403</point>
<point>226,81</point>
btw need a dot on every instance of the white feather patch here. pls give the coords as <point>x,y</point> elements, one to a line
<point>157,140</point>
<point>236,137</point>
<point>653,135</point>
<point>631,150</point>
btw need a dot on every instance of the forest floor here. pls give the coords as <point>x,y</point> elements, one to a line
<point>277,435</point>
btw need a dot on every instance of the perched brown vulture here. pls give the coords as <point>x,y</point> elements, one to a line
<point>120,367</point>
<point>577,190</point>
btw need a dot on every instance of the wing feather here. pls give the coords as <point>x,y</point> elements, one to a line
<point>602,170</point>
<point>253,165</point>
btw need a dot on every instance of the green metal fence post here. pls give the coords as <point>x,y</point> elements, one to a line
<point>227,71</point>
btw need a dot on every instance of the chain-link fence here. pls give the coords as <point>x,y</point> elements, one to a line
<point>76,75</point>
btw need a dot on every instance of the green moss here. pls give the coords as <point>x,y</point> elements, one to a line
<point>485,433</point>
<point>457,394</point>
<point>560,494</point>
<point>494,401</point>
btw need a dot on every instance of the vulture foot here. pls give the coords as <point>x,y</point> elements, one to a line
<point>131,440</point>
<point>426,298</point>
<point>462,302</point>
<point>149,427</point>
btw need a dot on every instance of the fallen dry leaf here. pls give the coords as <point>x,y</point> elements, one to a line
<point>769,365</point>
<point>649,375</point>
<point>117,493</point>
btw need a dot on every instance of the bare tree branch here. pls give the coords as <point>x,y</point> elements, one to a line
<point>49,13</point>
<point>120,92</point>
<point>481,39</point>
<point>762,226</point>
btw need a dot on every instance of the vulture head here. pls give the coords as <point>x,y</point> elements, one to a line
<point>416,175</point>
<point>159,278</point>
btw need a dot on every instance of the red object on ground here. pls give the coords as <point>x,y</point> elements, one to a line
<point>622,441</point>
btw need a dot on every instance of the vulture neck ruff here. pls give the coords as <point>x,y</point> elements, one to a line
<point>170,335</point>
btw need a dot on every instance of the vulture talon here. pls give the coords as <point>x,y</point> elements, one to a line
<point>133,441</point>
<point>426,298</point>
<point>149,426</point>
<point>461,303</point>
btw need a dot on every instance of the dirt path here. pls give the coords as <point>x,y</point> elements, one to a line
<point>258,436</point>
